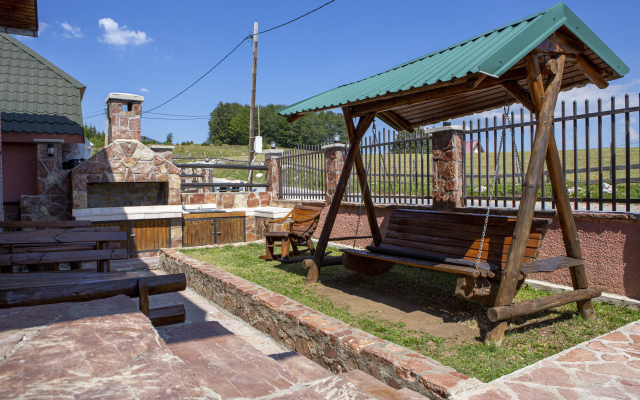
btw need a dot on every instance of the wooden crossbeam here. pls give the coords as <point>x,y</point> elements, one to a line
<point>560,43</point>
<point>398,120</point>
<point>590,71</point>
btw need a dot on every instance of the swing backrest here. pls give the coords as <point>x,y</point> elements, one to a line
<point>458,235</point>
<point>311,217</point>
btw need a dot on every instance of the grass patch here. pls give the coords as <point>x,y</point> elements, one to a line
<point>528,340</point>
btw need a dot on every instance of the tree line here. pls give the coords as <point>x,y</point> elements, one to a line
<point>229,124</point>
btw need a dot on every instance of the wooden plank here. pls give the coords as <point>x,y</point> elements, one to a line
<point>453,269</point>
<point>45,224</point>
<point>398,120</point>
<point>122,226</point>
<point>52,248</point>
<point>10,282</point>
<point>22,296</point>
<point>529,197</point>
<point>214,215</point>
<point>167,315</point>
<point>534,238</point>
<point>529,307</point>
<point>64,256</point>
<point>456,227</point>
<point>471,255</point>
<point>550,264</point>
<point>466,218</point>
<point>46,237</point>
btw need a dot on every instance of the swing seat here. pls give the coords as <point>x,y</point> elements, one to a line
<point>413,234</point>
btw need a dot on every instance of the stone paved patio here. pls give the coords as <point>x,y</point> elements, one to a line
<point>607,367</point>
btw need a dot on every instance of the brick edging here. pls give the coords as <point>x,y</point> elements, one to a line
<point>327,341</point>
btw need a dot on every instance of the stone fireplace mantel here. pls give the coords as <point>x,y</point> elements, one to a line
<point>127,213</point>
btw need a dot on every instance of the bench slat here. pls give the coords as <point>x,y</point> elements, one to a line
<point>534,240</point>
<point>465,218</point>
<point>491,244</point>
<point>454,269</point>
<point>498,230</point>
<point>63,256</point>
<point>46,237</point>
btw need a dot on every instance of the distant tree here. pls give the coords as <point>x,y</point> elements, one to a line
<point>220,120</point>
<point>95,137</point>
<point>187,143</point>
<point>169,139</point>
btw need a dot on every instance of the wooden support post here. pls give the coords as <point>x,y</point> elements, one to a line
<point>361,172</point>
<point>103,265</point>
<point>143,293</point>
<point>530,188</point>
<point>354,150</point>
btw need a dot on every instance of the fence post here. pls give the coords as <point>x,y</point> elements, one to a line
<point>448,170</point>
<point>334,154</point>
<point>272,162</point>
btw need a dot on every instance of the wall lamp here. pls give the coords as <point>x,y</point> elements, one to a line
<point>51,150</point>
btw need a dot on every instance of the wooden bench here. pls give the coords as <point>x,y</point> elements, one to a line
<point>412,234</point>
<point>24,290</point>
<point>48,247</point>
<point>303,221</point>
<point>8,226</point>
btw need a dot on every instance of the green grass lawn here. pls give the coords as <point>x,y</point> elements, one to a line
<point>528,340</point>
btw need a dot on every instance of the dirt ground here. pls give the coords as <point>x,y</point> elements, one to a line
<point>407,308</point>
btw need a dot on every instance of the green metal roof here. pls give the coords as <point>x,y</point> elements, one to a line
<point>492,53</point>
<point>35,95</point>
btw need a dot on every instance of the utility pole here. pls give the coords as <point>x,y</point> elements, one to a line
<point>252,111</point>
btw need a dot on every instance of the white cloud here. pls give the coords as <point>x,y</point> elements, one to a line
<point>117,35</point>
<point>144,90</point>
<point>42,26</point>
<point>71,31</point>
<point>635,82</point>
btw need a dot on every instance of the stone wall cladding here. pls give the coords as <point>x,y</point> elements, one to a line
<point>327,341</point>
<point>333,163</point>
<point>124,125</point>
<point>125,161</point>
<point>227,200</point>
<point>53,201</point>
<point>447,170</point>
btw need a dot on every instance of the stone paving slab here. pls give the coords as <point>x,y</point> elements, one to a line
<point>604,367</point>
<point>99,349</point>
<point>226,363</point>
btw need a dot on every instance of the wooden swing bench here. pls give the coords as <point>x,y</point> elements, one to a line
<point>412,235</point>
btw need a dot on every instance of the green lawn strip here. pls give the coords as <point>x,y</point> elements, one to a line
<point>533,338</point>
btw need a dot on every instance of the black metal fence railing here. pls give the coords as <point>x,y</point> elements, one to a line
<point>302,173</point>
<point>599,153</point>
<point>398,166</point>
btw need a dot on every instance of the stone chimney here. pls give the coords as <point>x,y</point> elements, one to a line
<point>123,117</point>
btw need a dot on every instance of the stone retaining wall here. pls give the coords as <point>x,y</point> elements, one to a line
<point>327,341</point>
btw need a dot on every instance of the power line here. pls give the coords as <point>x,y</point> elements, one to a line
<point>177,119</point>
<point>232,51</point>
<point>179,115</point>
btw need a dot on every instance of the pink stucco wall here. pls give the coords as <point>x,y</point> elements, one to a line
<point>610,244</point>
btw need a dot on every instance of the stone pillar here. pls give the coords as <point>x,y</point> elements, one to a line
<point>272,162</point>
<point>163,150</point>
<point>334,155</point>
<point>448,167</point>
<point>123,117</point>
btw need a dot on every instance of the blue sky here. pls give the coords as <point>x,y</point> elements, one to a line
<point>157,48</point>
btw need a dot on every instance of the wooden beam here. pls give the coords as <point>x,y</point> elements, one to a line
<point>361,173</point>
<point>559,43</point>
<point>26,294</point>
<point>590,71</point>
<point>354,150</point>
<point>534,78</point>
<point>520,94</point>
<point>472,84</point>
<point>167,315</point>
<point>401,122</point>
<point>389,122</point>
<point>45,224</point>
<point>530,187</point>
<point>63,256</point>
<point>143,296</point>
<point>529,307</point>
<point>293,118</point>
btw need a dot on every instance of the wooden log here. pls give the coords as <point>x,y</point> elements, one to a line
<point>550,264</point>
<point>167,315</point>
<point>314,270</point>
<point>143,296</point>
<point>361,173</point>
<point>398,120</point>
<point>24,295</point>
<point>63,256</point>
<point>528,200</point>
<point>45,224</point>
<point>520,93</point>
<point>103,263</point>
<point>529,307</point>
<point>589,70</point>
<point>366,265</point>
<point>559,43</point>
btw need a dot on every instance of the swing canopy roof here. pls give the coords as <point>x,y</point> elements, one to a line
<point>466,77</point>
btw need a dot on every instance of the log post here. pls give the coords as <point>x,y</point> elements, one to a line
<point>530,187</point>
<point>354,149</point>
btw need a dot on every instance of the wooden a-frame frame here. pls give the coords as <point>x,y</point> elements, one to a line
<point>541,101</point>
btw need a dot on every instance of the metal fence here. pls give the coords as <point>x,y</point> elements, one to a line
<point>598,153</point>
<point>302,173</point>
<point>398,168</point>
